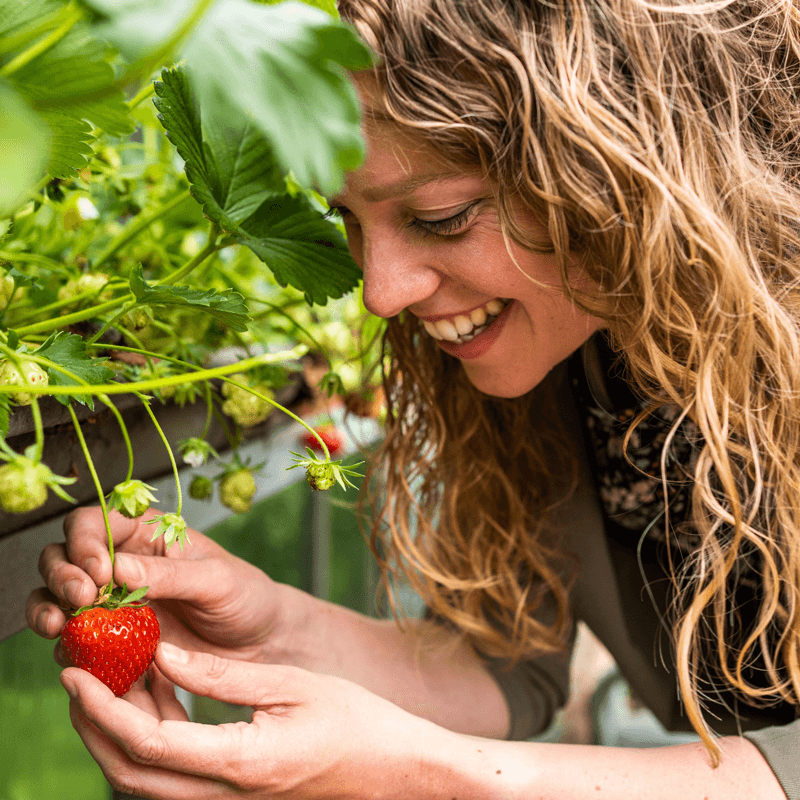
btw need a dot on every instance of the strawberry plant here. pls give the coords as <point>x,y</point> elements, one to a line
<point>161,201</point>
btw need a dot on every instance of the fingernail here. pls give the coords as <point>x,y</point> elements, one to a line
<point>132,567</point>
<point>42,620</point>
<point>92,568</point>
<point>172,653</point>
<point>72,591</point>
<point>69,685</point>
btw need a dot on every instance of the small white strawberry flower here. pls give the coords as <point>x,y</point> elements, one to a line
<point>196,451</point>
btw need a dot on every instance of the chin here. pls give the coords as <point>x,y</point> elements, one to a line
<point>504,383</point>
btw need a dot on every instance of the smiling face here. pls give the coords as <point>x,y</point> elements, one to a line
<point>428,240</point>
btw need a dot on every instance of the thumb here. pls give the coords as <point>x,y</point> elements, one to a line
<point>238,682</point>
<point>174,578</point>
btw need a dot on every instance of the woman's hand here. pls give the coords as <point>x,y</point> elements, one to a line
<point>205,598</point>
<point>311,736</point>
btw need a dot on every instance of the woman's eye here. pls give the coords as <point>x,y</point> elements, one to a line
<point>336,211</point>
<point>449,226</point>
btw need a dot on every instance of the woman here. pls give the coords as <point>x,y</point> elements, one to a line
<point>582,221</point>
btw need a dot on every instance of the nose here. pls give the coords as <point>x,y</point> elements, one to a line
<point>396,275</point>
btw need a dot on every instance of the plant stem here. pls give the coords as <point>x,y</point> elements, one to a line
<point>71,319</point>
<point>135,227</point>
<point>39,428</point>
<point>146,403</point>
<point>98,486</point>
<point>121,313</point>
<point>148,91</point>
<point>57,304</point>
<point>123,428</point>
<point>210,248</point>
<point>210,409</point>
<point>43,45</point>
<point>285,411</point>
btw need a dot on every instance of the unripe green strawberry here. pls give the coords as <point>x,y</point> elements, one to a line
<point>200,488</point>
<point>131,498</point>
<point>320,475</point>
<point>22,486</point>
<point>28,371</point>
<point>138,318</point>
<point>236,490</point>
<point>6,288</point>
<point>91,282</point>
<point>245,408</point>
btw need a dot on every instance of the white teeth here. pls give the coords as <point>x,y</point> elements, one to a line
<point>447,330</point>
<point>478,316</point>
<point>462,324</point>
<point>494,307</point>
<point>431,328</point>
<point>463,328</point>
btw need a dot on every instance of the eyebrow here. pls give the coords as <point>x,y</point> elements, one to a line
<point>374,194</point>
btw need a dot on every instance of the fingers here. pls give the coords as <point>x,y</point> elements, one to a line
<point>87,540</point>
<point>69,582</point>
<point>196,579</point>
<point>133,734</point>
<point>239,682</point>
<point>43,614</point>
<point>155,694</point>
<point>131,778</point>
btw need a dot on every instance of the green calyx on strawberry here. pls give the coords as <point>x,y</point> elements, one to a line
<point>28,373</point>
<point>24,482</point>
<point>115,639</point>
<point>322,475</point>
<point>244,407</point>
<point>131,498</point>
<point>172,527</point>
<point>201,488</point>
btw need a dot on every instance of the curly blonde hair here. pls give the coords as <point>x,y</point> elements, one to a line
<point>658,141</point>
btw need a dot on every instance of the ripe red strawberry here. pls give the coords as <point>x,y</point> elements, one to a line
<point>329,434</point>
<point>116,645</point>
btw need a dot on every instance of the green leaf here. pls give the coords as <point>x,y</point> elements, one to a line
<point>23,280</point>
<point>289,80</point>
<point>227,306</point>
<point>24,147</point>
<point>69,143</point>
<point>231,169</point>
<point>301,248</point>
<point>233,176</point>
<point>68,350</point>
<point>70,87</point>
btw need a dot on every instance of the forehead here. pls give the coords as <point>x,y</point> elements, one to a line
<point>398,159</point>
